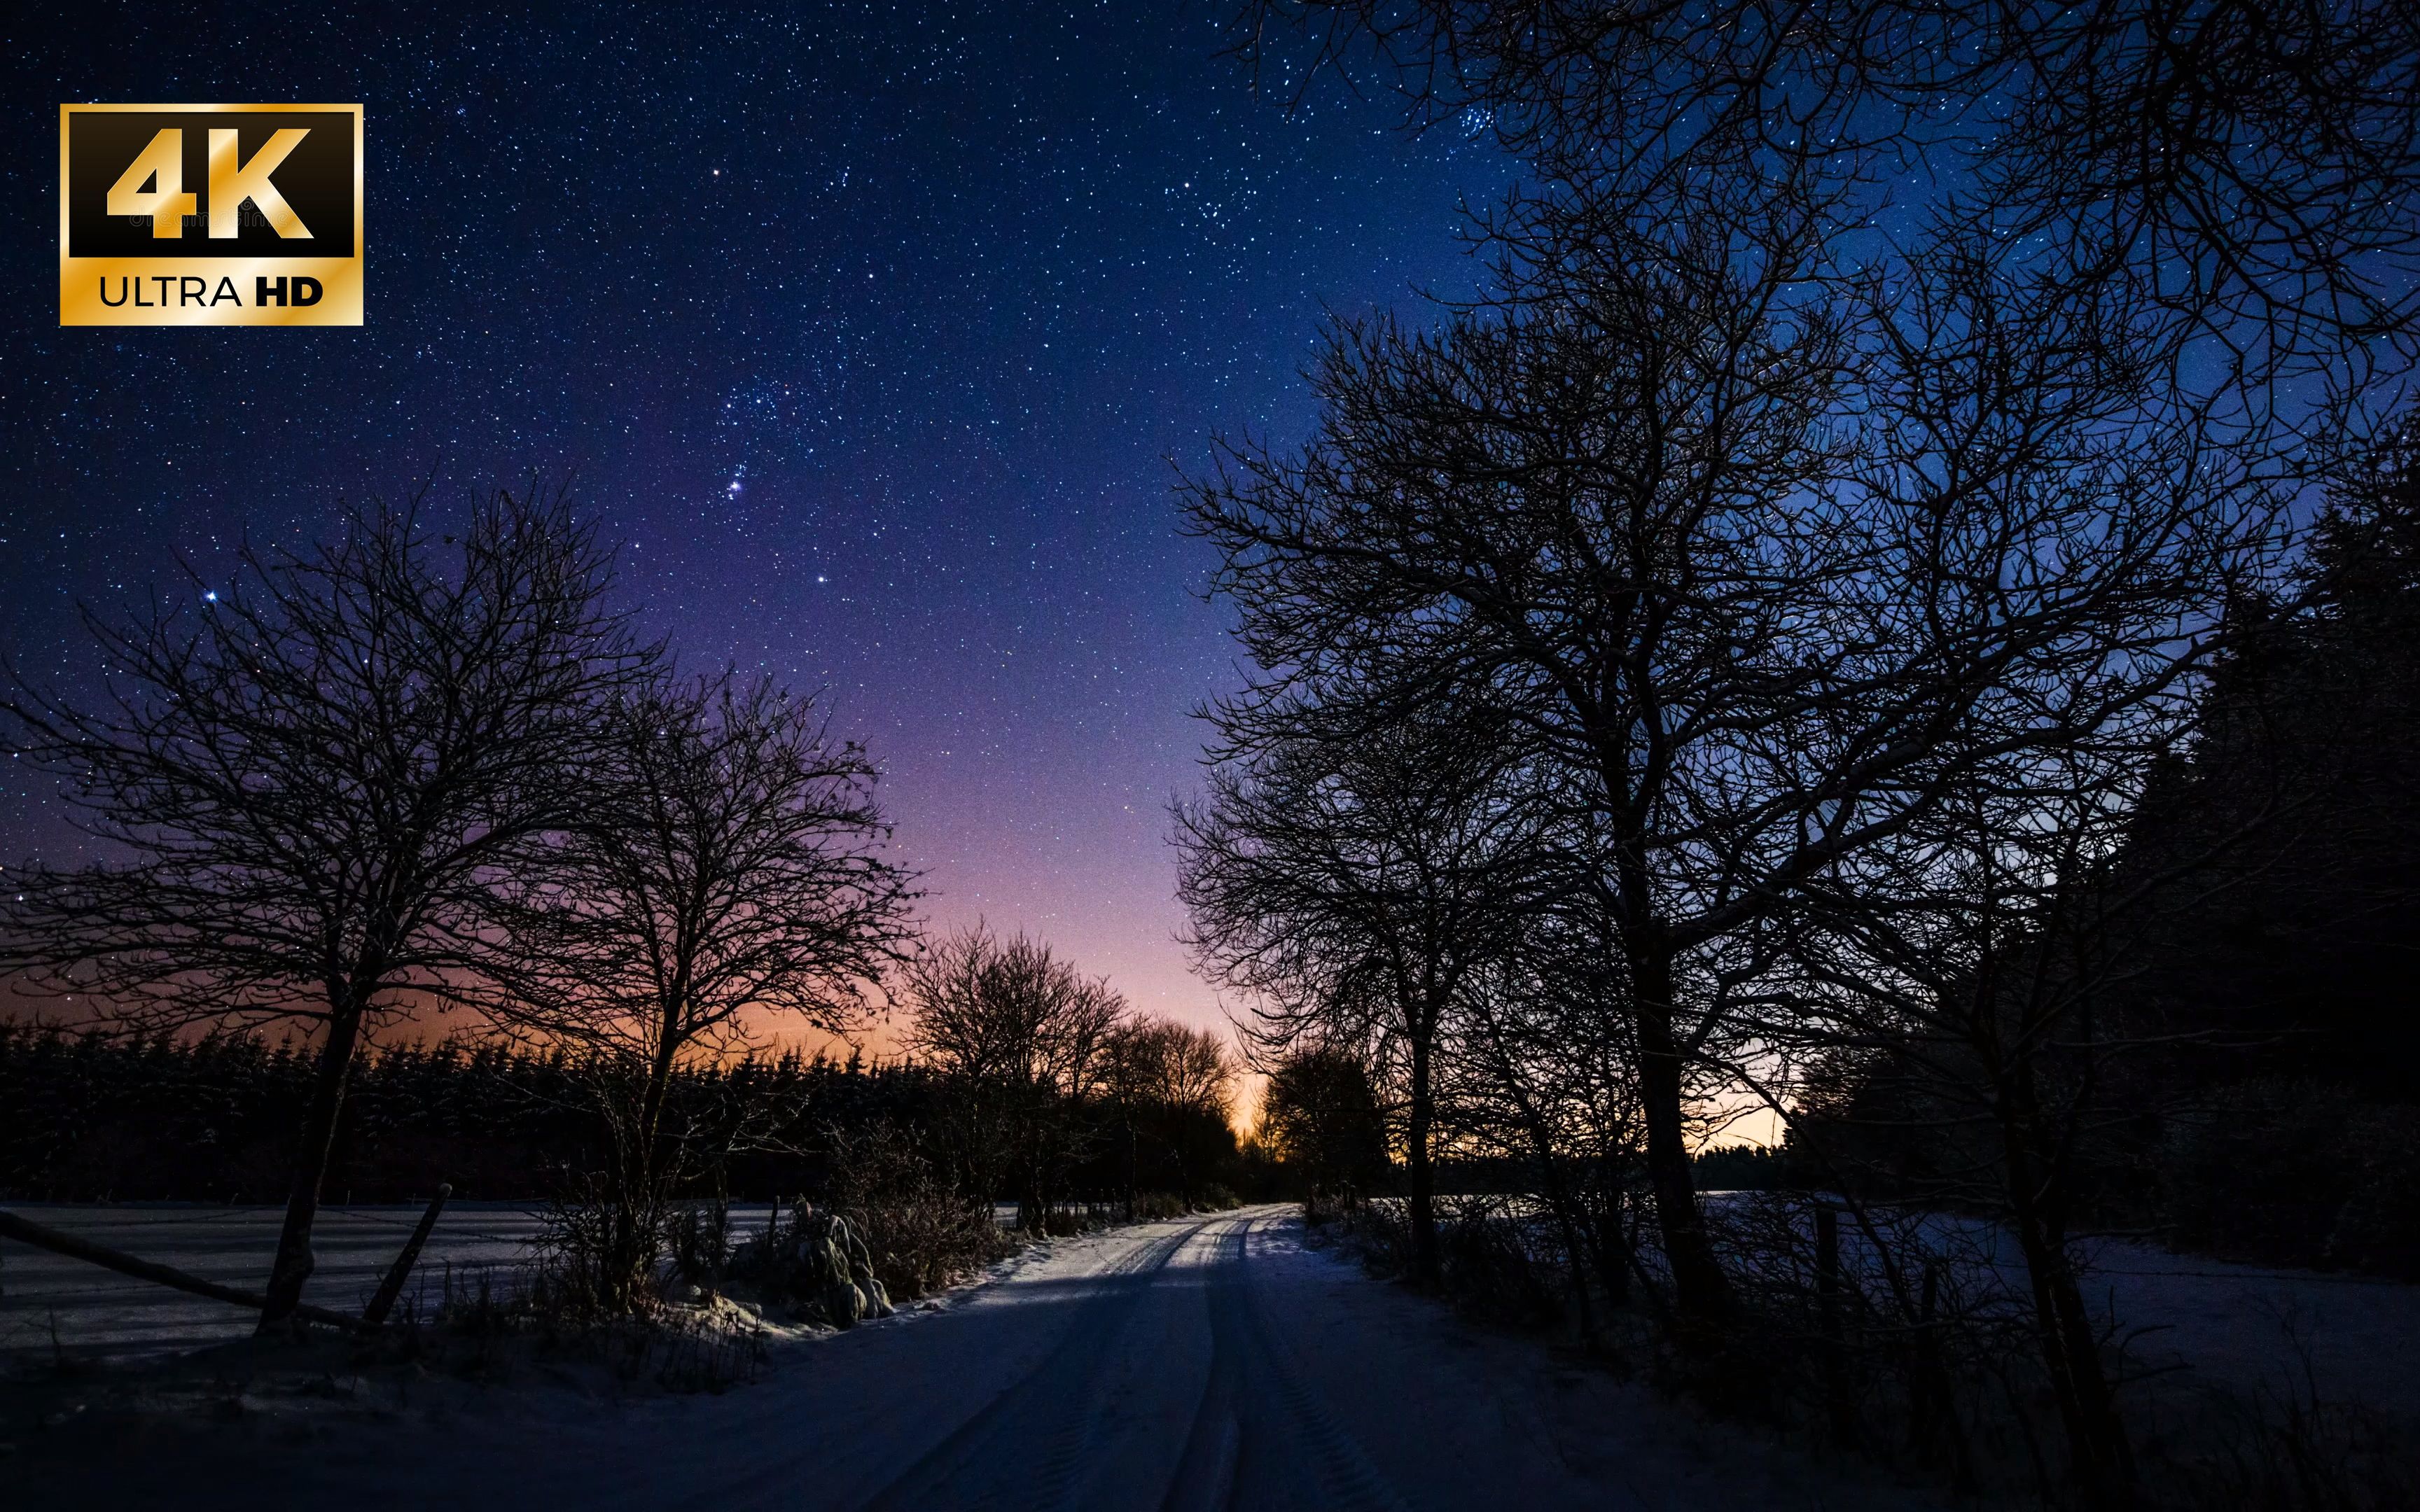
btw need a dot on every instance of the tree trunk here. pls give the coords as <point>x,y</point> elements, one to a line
<point>653,1099</point>
<point>1609,1242</point>
<point>2102,1461</point>
<point>1425,1268</point>
<point>645,1169</point>
<point>1699,1289</point>
<point>1567,1220</point>
<point>295,1262</point>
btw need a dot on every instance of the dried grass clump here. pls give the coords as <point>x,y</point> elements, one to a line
<point>921,1235</point>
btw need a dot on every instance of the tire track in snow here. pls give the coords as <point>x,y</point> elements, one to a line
<point>1053,1405</point>
<point>1261,1438</point>
<point>1204,1479</point>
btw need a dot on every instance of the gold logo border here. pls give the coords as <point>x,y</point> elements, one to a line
<point>340,278</point>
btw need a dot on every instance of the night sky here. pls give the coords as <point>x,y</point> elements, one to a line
<point>873,332</point>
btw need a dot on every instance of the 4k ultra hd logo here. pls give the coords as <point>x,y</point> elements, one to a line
<point>210,215</point>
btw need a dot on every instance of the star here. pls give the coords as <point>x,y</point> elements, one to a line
<point>546,297</point>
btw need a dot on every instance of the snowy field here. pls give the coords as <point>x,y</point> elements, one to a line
<point>97,1314</point>
<point>2251,1328</point>
<point>51,1305</point>
<point>2185,1320</point>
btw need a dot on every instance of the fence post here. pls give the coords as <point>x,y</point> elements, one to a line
<point>391,1287</point>
<point>1834,1348</point>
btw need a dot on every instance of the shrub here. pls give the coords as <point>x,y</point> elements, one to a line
<point>920,1236</point>
<point>598,1255</point>
<point>816,1264</point>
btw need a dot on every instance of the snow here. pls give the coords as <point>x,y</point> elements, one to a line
<point>1206,1362</point>
<point>2187,1322</point>
<point>99,1315</point>
<point>2248,1330</point>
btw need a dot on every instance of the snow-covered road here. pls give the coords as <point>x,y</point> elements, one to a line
<point>1209,1362</point>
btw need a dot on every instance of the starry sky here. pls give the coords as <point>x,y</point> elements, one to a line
<point>875,332</point>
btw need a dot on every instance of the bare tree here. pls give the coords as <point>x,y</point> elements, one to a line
<point>1022,1038</point>
<point>1957,982</point>
<point>1348,886</point>
<point>2245,171</point>
<point>296,785</point>
<point>1320,1117</point>
<point>1541,1073</point>
<point>1160,1072</point>
<point>1174,1065</point>
<point>1603,519</point>
<point>724,873</point>
<point>1972,977</point>
<point>1751,616</point>
<point>2099,286</point>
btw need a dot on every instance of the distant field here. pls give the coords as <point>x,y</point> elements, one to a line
<point>93,1312</point>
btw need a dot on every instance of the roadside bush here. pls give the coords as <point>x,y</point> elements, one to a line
<point>598,1255</point>
<point>1320,1208</point>
<point>699,1242</point>
<point>920,1236</point>
<point>1495,1266</point>
<point>818,1265</point>
<point>2291,1453</point>
<point>1888,1333</point>
<point>490,1322</point>
<point>1150,1207</point>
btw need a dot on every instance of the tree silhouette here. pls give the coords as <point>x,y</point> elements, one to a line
<point>300,783</point>
<point>724,862</point>
<point>1025,1041</point>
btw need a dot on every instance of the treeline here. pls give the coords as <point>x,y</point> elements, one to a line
<point>99,1118</point>
<point>2254,932</point>
<point>94,1117</point>
<point>1052,1086</point>
<point>1832,629</point>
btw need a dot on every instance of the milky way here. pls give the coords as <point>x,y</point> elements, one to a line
<point>875,332</point>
